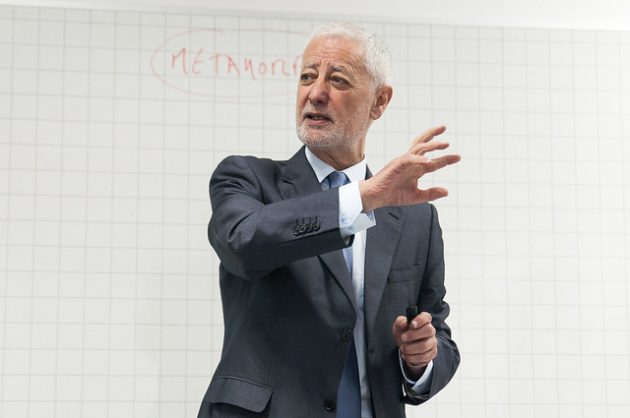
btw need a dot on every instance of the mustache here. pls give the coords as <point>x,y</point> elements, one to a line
<point>313,114</point>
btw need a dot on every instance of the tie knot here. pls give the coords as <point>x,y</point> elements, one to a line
<point>337,179</point>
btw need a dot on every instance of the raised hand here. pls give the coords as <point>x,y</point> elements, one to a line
<point>397,183</point>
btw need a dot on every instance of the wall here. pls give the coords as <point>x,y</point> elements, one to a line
<point>109,132</point>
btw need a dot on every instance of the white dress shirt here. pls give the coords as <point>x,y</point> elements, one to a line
<point>352,221</point>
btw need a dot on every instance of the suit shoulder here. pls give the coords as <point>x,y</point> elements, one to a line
<point>257,165</point>
<point>250,160</point>
<point>421,216</point>
<point>425,209</point>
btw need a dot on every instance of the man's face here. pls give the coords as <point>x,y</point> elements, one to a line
<point>335,96</point>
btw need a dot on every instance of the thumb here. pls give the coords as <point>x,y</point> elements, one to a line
<point>400,325</point>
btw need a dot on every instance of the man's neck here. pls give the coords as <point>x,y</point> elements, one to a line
<point>339,160</point>
<point>322,169</point>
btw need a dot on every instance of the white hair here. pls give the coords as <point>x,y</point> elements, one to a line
<point>375,54</point>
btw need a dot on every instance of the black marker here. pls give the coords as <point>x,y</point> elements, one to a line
<point>412,312</point>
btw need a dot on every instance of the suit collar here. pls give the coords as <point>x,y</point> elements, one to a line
<point>298,177</point>
<point>322,169</point>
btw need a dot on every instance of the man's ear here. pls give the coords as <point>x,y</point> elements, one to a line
<point>383,97</point>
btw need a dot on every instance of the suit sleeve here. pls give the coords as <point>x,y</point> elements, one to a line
<point>253,229</point>
<point>431,300</point>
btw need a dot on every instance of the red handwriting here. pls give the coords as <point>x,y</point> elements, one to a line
<point>184,61</point>
<point>218,63</point>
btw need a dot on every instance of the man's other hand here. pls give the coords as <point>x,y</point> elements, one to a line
<point>417,342</point>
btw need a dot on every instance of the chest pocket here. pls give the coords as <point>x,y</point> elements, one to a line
<point>406,274</point>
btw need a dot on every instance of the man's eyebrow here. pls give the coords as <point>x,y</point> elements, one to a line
<point>334,67</point>
<point>311,64</point>
<point>340,68</point>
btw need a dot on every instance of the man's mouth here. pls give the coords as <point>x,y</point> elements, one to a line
<point>317,117</point>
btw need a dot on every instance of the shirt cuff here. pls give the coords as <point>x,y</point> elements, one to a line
<point>422,385</point>
<point>351,217</point>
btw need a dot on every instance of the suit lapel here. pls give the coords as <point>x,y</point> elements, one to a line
<point>382,240</point>
<point>335,262</point>
<point>299,179</point>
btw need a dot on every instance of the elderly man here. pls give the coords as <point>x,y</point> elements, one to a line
<point>320,259</point>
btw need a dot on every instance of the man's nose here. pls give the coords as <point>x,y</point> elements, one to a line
<point>319,92</point>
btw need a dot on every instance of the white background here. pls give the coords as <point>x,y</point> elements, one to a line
<point>108,288</point>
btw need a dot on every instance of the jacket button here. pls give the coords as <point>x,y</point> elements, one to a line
<point>329,406</point>
<point>370,351</point>
<point>347,335</point>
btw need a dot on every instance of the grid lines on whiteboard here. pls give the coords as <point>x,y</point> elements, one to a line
<point>110,302</point>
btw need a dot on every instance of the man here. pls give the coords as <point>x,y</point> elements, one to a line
<point>315,275</point>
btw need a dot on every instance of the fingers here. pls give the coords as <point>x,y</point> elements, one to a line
<point>397,183</point>
<point>419,342</point>
<point>432,194</point>
<point>419,328</point>
<point>425,165</point>
<point>422,319</point>
<point>418,166</point>
<point>400,325</point>
<point>428,135</point>
<point>413,336</point>
<point>420,353</point>
<point>420,358</point>
<point>423,148</point>
<point>437,163</point>
<point>416,341</point>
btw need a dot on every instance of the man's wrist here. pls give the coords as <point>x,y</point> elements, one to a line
<point>352,219</point>
<point>414,372</point>
<point>420,382</point>
<point>367,199</point>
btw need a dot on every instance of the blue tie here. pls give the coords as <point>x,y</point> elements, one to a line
<point>338,179</point>
<point>349,391</point>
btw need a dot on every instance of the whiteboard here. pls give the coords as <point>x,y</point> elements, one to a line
<point>112,122</point>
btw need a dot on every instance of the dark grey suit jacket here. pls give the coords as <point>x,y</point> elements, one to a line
<point>287,295</point>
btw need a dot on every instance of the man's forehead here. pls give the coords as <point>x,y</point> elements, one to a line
<point>316,62</point>
<point>335,52</point>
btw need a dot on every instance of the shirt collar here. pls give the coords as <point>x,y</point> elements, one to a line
<point>322,170</point>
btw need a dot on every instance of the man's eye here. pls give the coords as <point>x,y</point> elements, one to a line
<point>307,77</point>
<point>339,80</point>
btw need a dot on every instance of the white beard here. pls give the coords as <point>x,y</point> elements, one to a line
<point>331,137</point>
